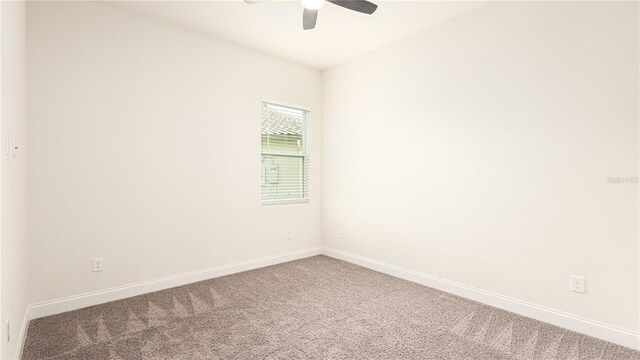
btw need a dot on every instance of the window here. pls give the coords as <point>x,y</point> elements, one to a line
<point>284,150</point>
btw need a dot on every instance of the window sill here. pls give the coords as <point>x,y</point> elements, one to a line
<point>284,202</point>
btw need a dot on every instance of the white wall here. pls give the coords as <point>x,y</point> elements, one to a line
<point>13,234</point>
<point>479,151</point>
<point>145,149</point>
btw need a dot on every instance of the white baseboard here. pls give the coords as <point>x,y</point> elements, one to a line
<point>22,336</point>
<point>121,292</point>
<point>581,325</point>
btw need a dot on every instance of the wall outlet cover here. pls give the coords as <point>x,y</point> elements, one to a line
<point>98,264</point>
<point>577,284</point>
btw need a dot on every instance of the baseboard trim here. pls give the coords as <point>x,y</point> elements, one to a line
<point>22,336</point>
<point>571,322</point>
<point>122,292</point>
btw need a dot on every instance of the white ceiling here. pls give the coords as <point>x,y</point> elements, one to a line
<point>275,27</point>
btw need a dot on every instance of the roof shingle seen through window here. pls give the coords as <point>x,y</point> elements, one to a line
<point>276,122</point>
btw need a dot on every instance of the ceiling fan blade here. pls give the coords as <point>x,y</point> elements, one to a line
<point>362,6</point>
<point>309,18</point>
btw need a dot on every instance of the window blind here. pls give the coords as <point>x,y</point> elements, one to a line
<point>284,150</point>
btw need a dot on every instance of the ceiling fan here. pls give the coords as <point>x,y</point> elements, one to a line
<point>311,7</point>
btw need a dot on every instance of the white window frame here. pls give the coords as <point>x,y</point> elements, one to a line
<point>306,153</point>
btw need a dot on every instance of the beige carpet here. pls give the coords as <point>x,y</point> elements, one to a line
<point>315,308</point>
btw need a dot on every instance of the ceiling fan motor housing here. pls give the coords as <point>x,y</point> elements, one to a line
<point>312,4</point>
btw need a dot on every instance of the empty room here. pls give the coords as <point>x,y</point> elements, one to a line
<point>320,179</point>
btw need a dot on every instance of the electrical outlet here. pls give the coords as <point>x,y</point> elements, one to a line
<point>98,264</point>
<point>340,234</point>
<point>8,330</point>
<point>577,284</point>
<point>288,235</point>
